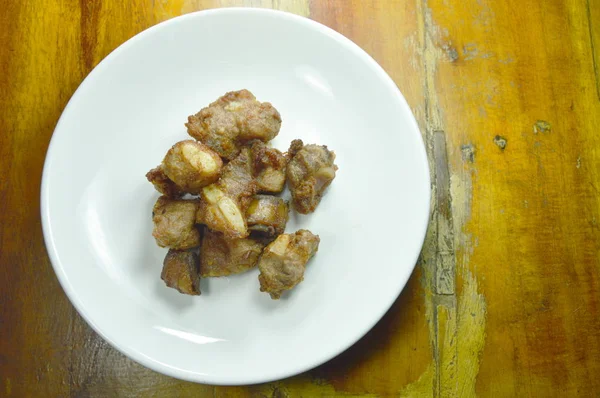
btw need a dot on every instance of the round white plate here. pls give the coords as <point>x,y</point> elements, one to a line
<point>96,202</point>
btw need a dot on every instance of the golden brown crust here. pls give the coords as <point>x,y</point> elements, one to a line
<point>224,203</point>
<point>180,271</point>
<point>174,223</point>
<point>233,119</point>
<point>237,179</point>
<point>295,146</point>
<point>163,184</point>
<point>267,215</point>
<point>192,165</point>
<point>220,256</point>
<point>283,261</point>
<point>268,166</point>
<point>309,172</point>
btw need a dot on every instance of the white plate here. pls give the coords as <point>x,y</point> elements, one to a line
<point>96,202</point>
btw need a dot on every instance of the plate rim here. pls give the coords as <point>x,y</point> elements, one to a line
<point>139,357</point>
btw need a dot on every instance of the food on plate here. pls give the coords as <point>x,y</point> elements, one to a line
<point>309,172</point>
<point>220,256</point>
<point>232,120</point>
<point>283,261</point>
<point>192,166</point>
<point>267,215</point>
<point>175,223</point>
<point>186,168</point>
<point>218,213</point>
<point>162,183</point>
<point>224,203</point>
<point>237,180</point>
<point>268,168</point>
<point>180,271</point>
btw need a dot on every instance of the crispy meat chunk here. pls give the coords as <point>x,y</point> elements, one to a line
<point>192,165</point>
<point>295,147</point>
<point>310,170</point>
<point>237,179</point>
<point>283,261</point>
<point>174,223</point>
<point>180,271</point>
<point>268,168</point>
<point>267,215</point>
<point>224,203</point>
<point>163,184</point>
<point>221,213</point>
<point>220,256</point>
<point>233,119</point>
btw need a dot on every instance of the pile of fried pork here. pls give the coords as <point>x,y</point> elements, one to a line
<point>220,212</point>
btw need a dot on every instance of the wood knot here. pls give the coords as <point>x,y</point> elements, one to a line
<point>500,142</point>
<point>468,153</point>
<point>542,126</point>
<point>451,52</point>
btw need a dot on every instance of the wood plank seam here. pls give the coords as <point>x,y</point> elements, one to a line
<point>445,253</point>
<point>444,261</point>
<point>594,61</point>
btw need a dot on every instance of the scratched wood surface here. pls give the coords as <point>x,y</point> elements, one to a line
<point>505,299</point>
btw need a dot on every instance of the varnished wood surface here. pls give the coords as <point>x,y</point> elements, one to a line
<point>505,300</point>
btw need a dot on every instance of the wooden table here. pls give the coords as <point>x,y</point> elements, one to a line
<point>505,300</point>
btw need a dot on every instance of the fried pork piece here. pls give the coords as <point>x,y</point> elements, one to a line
<point>224,203</point>
<point>220,256</point>
<point>180,271</point>
<point>268,168</point>
<point>162,183</point>
<point>174,223</point>
<point>310,170</point>
<point>192,165</point>
<point>237,179</point>
<point>283,261</point>
<point>267,215</point>
<point>233,119</point>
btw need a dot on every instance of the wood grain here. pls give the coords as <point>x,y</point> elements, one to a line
<point>505,298</point>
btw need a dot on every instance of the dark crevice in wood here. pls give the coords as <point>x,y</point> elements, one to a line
<point>594,61</point>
